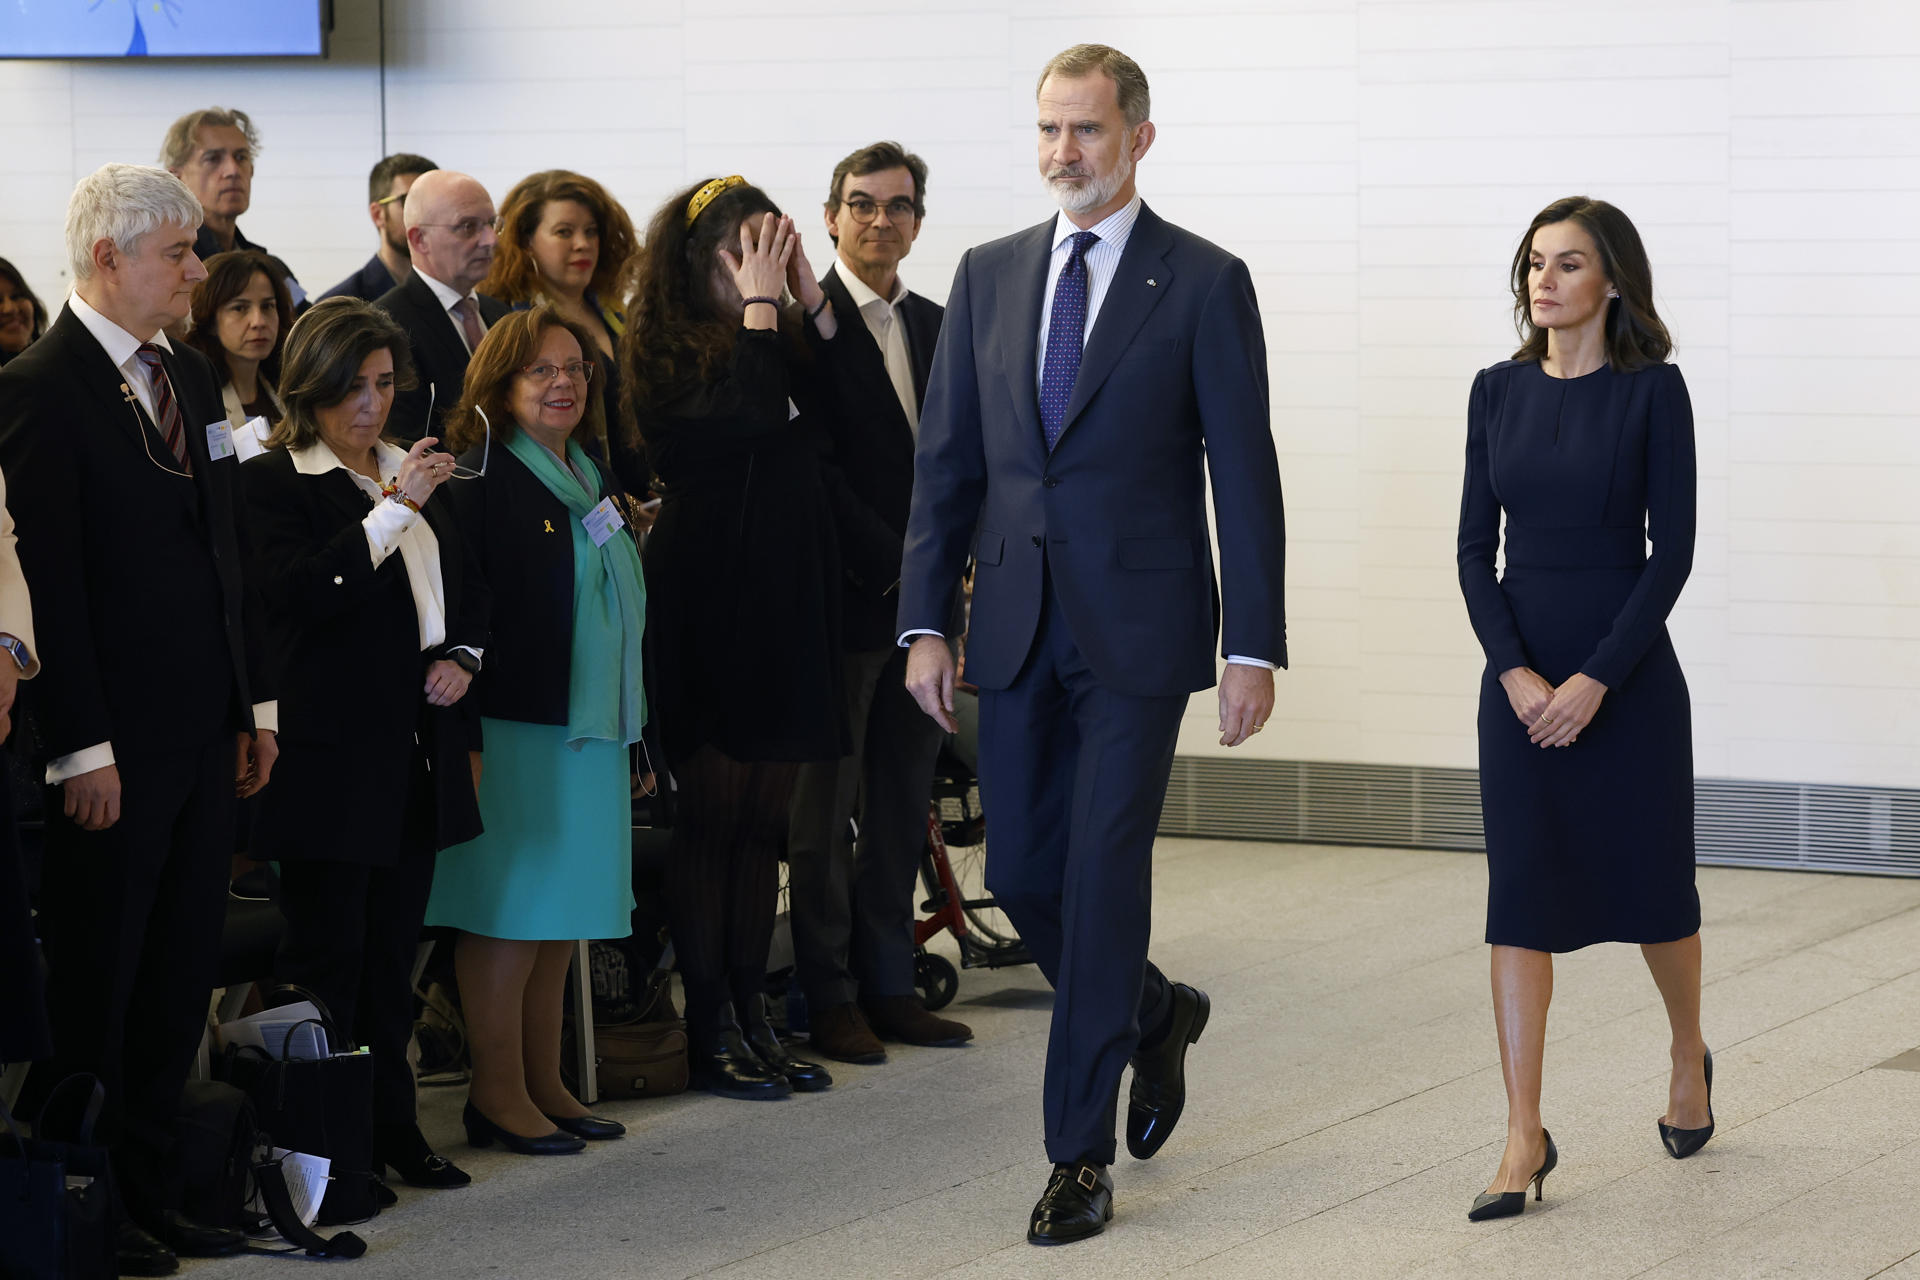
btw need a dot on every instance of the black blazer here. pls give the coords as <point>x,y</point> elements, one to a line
<point>519,535</point>
<point>873,453</point>
<point>439,355</point>
<point>135,570</point>
<point>344,646</point>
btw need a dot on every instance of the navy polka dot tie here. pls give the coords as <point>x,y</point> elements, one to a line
<point>1066,335</point>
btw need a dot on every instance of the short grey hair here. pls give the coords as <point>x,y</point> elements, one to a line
<point>121,203</point>
<point>1129,81</point>
<point>183,135</point>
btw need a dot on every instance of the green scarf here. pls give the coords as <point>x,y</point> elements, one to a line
<point>609,605</point>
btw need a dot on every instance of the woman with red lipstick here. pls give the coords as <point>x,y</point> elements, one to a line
<point>241,314</point>
<point>23,317</point>
<point>561,699</point>
<point>1583,442</point>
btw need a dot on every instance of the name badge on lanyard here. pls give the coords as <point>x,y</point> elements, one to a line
<point>603,522</point>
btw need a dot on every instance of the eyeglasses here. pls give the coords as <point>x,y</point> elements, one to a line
<point>578,370</point>
<point>468,228</point>
<point>900,210</point>
<point>398,197</point>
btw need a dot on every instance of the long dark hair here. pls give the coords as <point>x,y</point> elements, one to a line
<point>228,275</point>
<point>20,289</point>
<point>676,338</point>
<point>1636,337</point>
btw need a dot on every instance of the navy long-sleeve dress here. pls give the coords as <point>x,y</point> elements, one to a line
<point>1591,842</point>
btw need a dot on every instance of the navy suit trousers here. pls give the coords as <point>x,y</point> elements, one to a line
<point>1072,778</point>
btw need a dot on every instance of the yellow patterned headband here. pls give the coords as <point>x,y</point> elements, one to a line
<point>709,193</point>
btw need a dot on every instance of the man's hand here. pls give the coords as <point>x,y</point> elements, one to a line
<point>254,756</point>
<point>447,682</point>
<point>1246,700</point>
<point>930,677</point>
<point>92,799</point>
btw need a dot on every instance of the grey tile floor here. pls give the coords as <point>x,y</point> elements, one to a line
<point>1345,1106</point>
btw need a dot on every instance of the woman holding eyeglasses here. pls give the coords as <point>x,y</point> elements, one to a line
<point>561,700</point>
<point>377,617</point>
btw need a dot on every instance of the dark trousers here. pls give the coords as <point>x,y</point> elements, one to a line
<point>132,918</point>
<point>352,934</point>
<point>722,879</point>
<point>852,901</point>
<point>1072,779</point>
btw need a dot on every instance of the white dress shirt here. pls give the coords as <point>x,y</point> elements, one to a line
<point>448,299</point>
<point>889,333</point>
<point>1102,259</point>
<point>124,350</point>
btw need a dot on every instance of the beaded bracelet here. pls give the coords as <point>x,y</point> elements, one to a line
<point>772,302</point>
<point>393,491</point>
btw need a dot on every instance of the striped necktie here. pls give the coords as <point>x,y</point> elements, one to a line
<point>166,411</point>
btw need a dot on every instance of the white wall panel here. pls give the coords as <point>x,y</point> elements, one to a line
<point>1374,161</point>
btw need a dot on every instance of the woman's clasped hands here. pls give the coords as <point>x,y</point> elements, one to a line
<point>1554,717</point>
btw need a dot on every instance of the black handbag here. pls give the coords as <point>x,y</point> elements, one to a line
<point>323,1107</point>
<point>56,1198</point>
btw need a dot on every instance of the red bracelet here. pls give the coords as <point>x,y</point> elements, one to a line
<point>393,491</point>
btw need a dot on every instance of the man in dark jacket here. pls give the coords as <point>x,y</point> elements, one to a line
<point>852,903</point>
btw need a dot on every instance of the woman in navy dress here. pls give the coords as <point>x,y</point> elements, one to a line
<point>1584,442</point>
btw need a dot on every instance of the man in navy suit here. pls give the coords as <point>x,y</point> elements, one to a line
<point>1091,373</point>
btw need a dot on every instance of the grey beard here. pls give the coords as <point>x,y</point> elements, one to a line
<point>1096,192</point>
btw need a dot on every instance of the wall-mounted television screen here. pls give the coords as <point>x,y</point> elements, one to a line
<point>163,28</point>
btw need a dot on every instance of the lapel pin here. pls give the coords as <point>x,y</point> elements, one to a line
<point>1152,283</point>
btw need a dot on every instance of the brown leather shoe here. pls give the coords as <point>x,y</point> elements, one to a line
<point>841,1032</point>
<point>906,1019</point>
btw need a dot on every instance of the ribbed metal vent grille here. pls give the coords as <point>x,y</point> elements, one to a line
<point>1802,826</point>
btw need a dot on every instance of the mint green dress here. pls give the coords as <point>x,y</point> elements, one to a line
<point>555,860</point>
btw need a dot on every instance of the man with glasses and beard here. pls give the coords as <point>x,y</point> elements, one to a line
<point>852,901</point>
<point>387,187</point>
<point>1093,373</point>
<point>451,234</point>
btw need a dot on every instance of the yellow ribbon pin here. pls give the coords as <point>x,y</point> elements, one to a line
<point>549,525</point>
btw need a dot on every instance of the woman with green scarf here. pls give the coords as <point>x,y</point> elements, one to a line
<point>561,701</point>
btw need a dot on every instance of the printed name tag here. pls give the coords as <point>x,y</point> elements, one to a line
<point>603,522</point>
<point>219,440</point>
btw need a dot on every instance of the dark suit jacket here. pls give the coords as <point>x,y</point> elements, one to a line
<point>1174,376</point>
<point>344,642</point>
<point>873,452</point>
<point>370,283</point>
<point>135,570</point>
<point>520,537</point>
<point>439,355</point>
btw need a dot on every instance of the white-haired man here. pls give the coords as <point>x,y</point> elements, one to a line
<point>120,470</point>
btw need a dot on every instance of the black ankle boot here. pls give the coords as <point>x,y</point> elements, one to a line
<point>807,1077</point>
<point>721,1062</point>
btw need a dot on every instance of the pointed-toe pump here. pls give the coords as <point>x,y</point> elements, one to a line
<point>1508,1204</point>
<point>1681,1143</point>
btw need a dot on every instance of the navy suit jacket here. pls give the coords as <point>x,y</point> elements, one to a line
<point>1173,383</point>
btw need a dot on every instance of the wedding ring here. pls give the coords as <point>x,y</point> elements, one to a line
<point>1258,727</point>
<point>1546,719</point>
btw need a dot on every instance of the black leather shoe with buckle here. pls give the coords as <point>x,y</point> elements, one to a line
<point>1078,1203</point>
<point>1159,1092</point>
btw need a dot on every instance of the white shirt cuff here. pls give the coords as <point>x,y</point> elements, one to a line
<point>906,637</point>
<point>479,656</point>
<point>1235,660</point>
<point>266,716</point>
<point>384,525</point>
<point>85,760</point>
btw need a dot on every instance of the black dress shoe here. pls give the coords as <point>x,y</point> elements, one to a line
<point>1509,1204</point>
<point>404,1149</point>
<point>190,1239</point>
<point>1681,1143</point>
<point>1159,1091</point>
<point>138,1254</point>
<point>482,1132</point>
<point>384,1196</point>
<point>721,1062</point>
<point>806,1077</point>
<point>1077,1203</point>
<point>592,1128</point>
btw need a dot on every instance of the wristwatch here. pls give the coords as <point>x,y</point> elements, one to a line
<point>465,661</point>
<point>21,658</point>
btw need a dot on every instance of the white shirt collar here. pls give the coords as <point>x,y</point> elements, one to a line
<point>120,345</point>
<point>1113,230</point>
<point>319,458</point>
<point>863,292</point>
<point>443,292</point>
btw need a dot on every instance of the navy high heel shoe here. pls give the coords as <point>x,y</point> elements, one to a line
<point>1509,1204</point>
<point>1681,1143</point>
